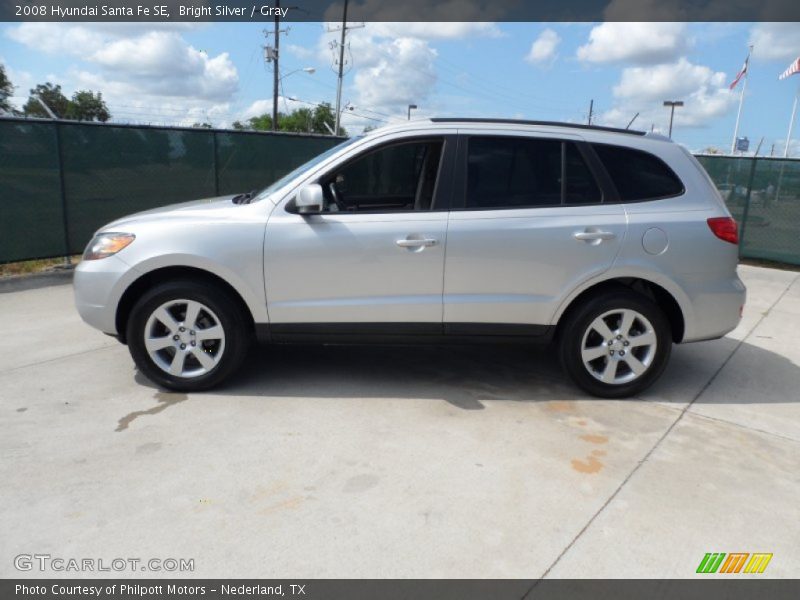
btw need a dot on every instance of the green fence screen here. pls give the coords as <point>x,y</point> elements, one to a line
<point>764,197</point>
<point>59,182</point>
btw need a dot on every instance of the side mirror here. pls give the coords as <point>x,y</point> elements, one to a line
<point>309,199</point>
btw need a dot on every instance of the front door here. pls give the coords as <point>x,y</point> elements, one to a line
<point>373,259</point>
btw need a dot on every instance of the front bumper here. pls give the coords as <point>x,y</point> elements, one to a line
<point>98,286</point>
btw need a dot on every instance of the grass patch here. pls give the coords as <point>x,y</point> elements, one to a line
<point>29,267</point>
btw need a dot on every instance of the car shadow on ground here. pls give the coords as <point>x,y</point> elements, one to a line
<point>469,376</point>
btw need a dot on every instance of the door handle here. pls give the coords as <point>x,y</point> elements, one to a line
<point>594,236</point>
<point>412,243</point>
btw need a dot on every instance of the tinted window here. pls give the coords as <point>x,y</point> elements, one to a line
<point>638,175</point>
<point>581,187</point>
<point>526,172</point>
<point>396,177</point>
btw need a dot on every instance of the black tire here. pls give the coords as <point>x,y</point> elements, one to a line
<point>236,327</point>
<point>579,320</point>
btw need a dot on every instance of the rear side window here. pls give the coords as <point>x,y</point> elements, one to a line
<point>581,188</point>
<point>638,175</point>
<point>508,172</point>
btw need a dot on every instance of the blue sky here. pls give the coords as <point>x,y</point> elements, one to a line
<point>182,73</point>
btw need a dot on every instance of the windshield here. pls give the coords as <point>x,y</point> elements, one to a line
<point>304,167</point>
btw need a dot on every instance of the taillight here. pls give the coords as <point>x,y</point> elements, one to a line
<point>725,229</point>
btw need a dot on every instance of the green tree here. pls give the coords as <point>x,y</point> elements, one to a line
<point>300,120</point>
<point>87,106</point>
<point>323,113</point>
<point>50,95</point>
<point>6,90</point>
<point>203,125</point>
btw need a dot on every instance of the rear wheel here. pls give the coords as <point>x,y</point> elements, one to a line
<point>616,344</point>
<point>187,335</point>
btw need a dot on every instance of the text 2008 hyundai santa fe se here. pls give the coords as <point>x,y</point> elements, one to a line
<point>611,244</point>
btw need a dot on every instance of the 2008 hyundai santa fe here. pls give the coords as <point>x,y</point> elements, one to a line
<point>611,244</point>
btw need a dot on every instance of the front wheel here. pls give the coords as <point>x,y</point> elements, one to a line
<point>616,344</point>
<point>187,335</point>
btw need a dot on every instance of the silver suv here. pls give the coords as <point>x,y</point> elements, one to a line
<point>611,243</point>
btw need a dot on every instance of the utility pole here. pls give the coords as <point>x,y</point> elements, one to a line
<point>341,69</point>
<point>341,66</point>
<point>410,108</point>
<point>672,104</point>
<point>275,74</point>
<point>591,110</point>
<point>271,55</point>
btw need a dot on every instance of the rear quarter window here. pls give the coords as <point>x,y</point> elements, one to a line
<point>638,175</point>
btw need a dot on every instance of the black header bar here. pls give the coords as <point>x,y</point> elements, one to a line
<point>399,10</point>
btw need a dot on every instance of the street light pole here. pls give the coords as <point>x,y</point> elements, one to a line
<point>410,107</point>
<point>672,104</point>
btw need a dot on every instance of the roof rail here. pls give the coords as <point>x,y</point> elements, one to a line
<point>546,123</point>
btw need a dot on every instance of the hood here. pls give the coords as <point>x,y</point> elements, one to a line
<point>217,207</point>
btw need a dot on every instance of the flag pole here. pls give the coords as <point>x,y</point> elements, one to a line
<point>741,102</point>
<point>791,125</point>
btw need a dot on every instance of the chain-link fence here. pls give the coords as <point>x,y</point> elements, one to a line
<point>763,195</point>
<point>60,181</point>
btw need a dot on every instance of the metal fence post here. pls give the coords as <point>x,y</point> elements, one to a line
<point>63,191</point>
<point>216,164</point>
<point>746,210</point>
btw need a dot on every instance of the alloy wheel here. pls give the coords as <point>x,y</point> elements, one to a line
<point>619,346</point>
<point>184,338</point>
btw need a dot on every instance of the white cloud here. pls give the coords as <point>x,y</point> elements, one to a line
<point>776,41</point>
<point>643,90</point>
<point>639,43</point>
<point>146,72</point>
<point>402,74</point>
<point>164,64</point>
<point>543,50</point>
<point>391,65</point>
<point>662,81</point>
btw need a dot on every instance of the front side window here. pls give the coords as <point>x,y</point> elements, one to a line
<point>398,177</point>
<point>509,172</point>
<point>638,175</point>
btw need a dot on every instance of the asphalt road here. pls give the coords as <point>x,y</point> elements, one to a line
<point>400,462</point>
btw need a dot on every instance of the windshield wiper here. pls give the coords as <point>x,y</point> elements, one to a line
<point>245,198</point>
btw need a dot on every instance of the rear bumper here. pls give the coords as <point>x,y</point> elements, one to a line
<point>717,308</point>
<point>98,286</point>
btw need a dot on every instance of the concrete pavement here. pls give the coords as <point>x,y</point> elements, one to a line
<point>401,462</point>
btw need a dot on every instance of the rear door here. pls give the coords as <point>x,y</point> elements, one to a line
<point>531,220</point>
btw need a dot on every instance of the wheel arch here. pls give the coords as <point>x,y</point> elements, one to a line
<point>160,275</point>
<point>664,298</point>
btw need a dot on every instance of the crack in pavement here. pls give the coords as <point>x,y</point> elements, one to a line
<point>660,439</point>
<point>56,358</point>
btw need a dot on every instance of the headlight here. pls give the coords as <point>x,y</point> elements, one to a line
<point>107,244</point>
